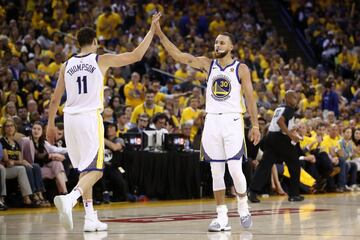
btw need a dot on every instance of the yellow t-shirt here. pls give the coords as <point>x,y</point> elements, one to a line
<point>53,68</point>
<point>216,27</point>
<point>329,143</point>
<point>189,114</point>
<point>142,109</point>
<point>306,104</point>
<point>119,81</point>
<point>106,26</point>
<point>307,141</point>
<point>131,99</point>
<point>181,74</point>
<point>160,98</point>
<point>43,68</point>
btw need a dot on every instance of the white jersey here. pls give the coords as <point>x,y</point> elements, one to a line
<point>223,92</point>
<point>83,84</point>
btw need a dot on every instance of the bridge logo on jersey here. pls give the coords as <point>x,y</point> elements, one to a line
<point>221,88</point>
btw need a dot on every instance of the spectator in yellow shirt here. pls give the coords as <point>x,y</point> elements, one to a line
<point>331,145</point>
<point>308,102</point>
<point>44,66</point>
<point>181,73</point>
<point>121,123</point>
<point>107,23</point>
<point>217,26</point>
<point>160,97</point>
<point>149,107</point>
<point>54,67</point>
<point>190,114</point>
<point>134,91</point>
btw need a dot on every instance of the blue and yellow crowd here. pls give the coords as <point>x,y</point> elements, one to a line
<point>36,37</point>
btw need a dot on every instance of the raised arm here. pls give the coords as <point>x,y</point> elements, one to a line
<point>123,59</point>
<point>244,74</point>
<point>54,104</point>
<point>201,63</point>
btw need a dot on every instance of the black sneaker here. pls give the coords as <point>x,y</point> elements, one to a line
<point>297,198</point>
<point>252,197</point>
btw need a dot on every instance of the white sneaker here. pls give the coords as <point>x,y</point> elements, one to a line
<point>245,216</point>
<point>218,225</point>
<point>355,187</point>
<point>92,223</point>
<point>64,206</point>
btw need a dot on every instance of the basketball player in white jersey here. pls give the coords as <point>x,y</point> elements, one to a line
<point>82,78</point>
<point>223,135</point>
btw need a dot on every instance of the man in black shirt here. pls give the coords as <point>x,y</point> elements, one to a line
<point>279,145</point>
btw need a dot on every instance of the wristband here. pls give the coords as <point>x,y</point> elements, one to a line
<point>256,127</point>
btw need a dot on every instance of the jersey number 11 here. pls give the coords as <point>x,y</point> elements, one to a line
<point>84,82</point>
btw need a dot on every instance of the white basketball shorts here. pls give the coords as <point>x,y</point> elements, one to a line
<point>223,137</point>
<point>84,137</point>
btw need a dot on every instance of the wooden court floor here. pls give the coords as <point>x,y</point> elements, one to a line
<point>328,216</point>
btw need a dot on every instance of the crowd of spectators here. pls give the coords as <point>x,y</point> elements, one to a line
<point>36,37</point>
<point>332,29</point>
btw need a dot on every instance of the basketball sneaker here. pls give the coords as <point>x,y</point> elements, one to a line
<point>218,225</point>
<point>221,222</point>
<point>92,223</point>
<point>243,210</point>
<point>64,205</point>
<point>246,221</point>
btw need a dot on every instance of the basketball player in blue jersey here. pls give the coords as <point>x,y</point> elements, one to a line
<point>223,135</point>
<point>82,78</point>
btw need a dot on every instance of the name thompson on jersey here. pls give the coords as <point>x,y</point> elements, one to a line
<point>81,67</point>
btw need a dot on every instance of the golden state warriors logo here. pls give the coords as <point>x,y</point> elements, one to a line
<point>221,88</point>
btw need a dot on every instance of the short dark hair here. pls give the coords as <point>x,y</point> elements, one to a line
<point>85,36</point>
<point>229,35</point>
<point>159,116</point>
<point>150,91</point>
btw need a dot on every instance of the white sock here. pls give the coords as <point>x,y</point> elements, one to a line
<point>222,211</point>
<point>243,207</point>
<point>75,194</point>
<point>88,205</point>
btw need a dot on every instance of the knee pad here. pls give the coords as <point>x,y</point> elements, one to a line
<point>218,172</point>
<point>235,169</point>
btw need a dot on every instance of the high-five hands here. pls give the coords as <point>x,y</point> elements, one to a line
<point>155,21</point>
